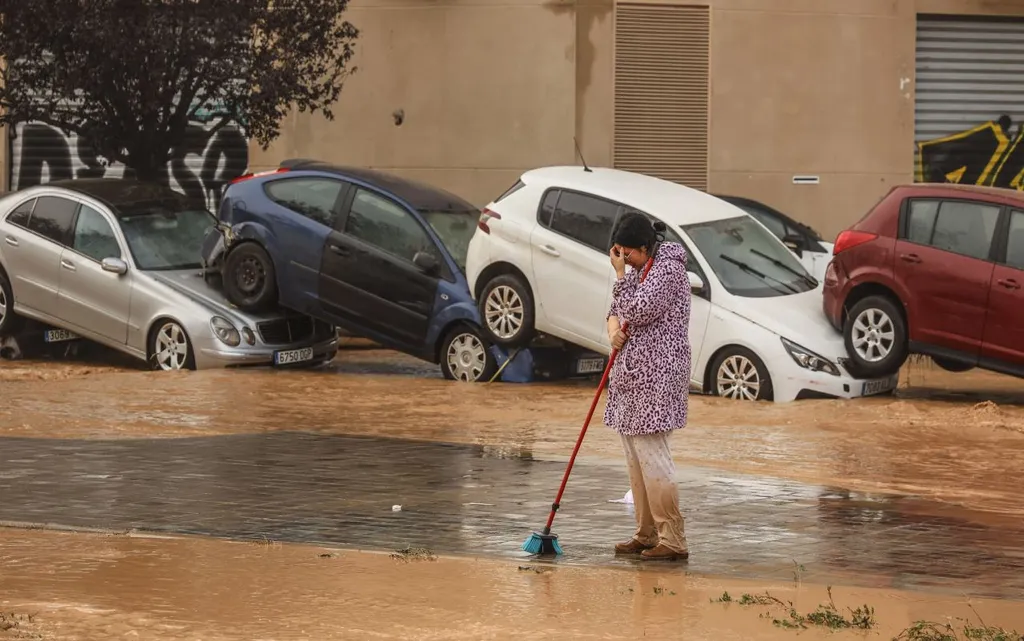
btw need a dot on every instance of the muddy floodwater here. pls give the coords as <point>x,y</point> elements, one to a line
<point>909,504</point>
<point>93,587</point>
<point>950,437</point>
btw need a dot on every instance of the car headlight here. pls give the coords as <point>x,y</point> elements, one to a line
<point>225,331</point>
<point>249,337</point>
<point>807,359</point>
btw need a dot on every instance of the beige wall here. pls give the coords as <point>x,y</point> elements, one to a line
<point>486,87</point>
<point>822,88</point>
<point>493,87</point>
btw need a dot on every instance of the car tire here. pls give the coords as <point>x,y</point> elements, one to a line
<point>250,280</point>
<point>876,337</point>
<point>170,348</point>
<point>465,356</point>
<point>10,323</point>
<point>507,312</point>
<point>739,374</point>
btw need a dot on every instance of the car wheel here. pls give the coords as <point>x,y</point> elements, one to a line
<point>250,281</point>
<point>875,337</point>
<point>465,357</point>
<point>10,323</point>
<point>738,373</point>
<point>170,348</point>
<point>506,308</point>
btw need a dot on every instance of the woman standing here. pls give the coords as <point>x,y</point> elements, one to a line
<point>648,389</point>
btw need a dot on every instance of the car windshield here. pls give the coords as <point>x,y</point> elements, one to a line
<point>455,229</point>
<point>748,259</point>
<point>165,236</point>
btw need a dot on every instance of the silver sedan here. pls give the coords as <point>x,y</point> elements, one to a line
<point>118,262</point>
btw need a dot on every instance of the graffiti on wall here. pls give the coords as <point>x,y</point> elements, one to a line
<point>989,154</point>
<point>200,167</point>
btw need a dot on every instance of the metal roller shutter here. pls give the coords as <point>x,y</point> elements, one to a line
<point>969,103</point>
<point>661,91</point>
<point>201,166</point>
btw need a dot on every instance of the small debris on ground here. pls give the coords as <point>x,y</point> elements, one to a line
<point>413,554</point>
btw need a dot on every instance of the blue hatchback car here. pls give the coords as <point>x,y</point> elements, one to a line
<point>376,254</point>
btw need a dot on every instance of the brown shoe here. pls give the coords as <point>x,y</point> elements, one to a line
<point>662,553</point>
<point>631,546</point>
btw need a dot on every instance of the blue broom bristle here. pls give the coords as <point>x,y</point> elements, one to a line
<point>542,544</point>
<point>532,544</point>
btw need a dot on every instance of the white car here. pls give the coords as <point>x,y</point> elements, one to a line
<point>538,264</point>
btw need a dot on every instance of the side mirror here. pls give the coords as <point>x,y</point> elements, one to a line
<point>696,282</point>
<point>114,266</point>
<point>795,242</point>
<point>426,262</point>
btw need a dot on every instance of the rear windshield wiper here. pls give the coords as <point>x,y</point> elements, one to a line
<point>778,263</point>
<point>750,270</point>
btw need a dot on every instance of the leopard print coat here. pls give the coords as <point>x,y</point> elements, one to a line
<point>649,386</point>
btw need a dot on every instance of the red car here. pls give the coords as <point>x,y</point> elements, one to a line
<point>933,269</point>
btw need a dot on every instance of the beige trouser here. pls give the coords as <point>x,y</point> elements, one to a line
<point>652,477</point>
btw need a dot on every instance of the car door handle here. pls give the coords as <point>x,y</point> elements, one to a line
<point>341,251</point>
<point>12,241</point>
<point>1009,283</point>
<point>67,264</point>
<point>910,258</point>
<point>550,251</point>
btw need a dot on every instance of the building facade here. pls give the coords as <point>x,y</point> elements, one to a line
<point>815,107</point>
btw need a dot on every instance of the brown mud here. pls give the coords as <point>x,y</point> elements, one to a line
<point>93,587</point>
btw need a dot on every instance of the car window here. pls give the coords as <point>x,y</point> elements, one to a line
<point>455,229</point>
<point>384,224</point>
<point>1015,241</point>
<point>547,208</point>
<point>313,198</point>
<point>921,221</point>
<point>959,227</point>
<point>749,260</point>
<point>52,218</point>
<point>94,236</point>
<point>21,214</point>
<point>773,224</point>
<point>165,236</point>
<point>586,219</point>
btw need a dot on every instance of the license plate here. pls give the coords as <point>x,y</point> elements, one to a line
<point>293,356</point>
<point>880,385</point>
<point>590,365</point>
<point>59,336</point>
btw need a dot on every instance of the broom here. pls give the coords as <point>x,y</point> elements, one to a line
<point>545,542</point>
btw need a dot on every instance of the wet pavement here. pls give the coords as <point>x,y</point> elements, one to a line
<point>480,500</point>
<point>917,492</point>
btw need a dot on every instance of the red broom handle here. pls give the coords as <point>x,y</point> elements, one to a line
<point>590,415</point>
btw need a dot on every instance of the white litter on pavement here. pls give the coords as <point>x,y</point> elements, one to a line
<point>627,499</point>
<point>396,508</point>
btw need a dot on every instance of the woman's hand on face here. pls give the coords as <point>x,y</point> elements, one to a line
<point>619,339</point>
<point>618,260</point>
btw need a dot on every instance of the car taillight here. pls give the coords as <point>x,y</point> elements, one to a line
<point>249,176</point>
<point>831,278</point>
<point>850,239</point>
<point>485,216</point>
